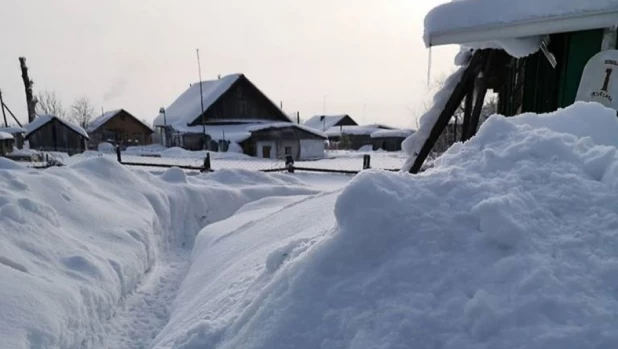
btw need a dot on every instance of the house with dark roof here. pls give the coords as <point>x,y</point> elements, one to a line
<point>51,133</point>
<point>231,109</point>
<point>118,127</point>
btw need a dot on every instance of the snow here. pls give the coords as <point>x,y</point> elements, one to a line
<point>13,129</point>
<point>509,242</point>
<point>392,133</point>
<point>105,147</point>
<point>487,15</point>
<point>265,126</point>
<point>188,107</point>
<point>92,254</point>
<point>42,120</point>
<point>324,122</point>
<point>5,135</point>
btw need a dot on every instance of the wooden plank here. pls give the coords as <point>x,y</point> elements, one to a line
<point>462,88</point>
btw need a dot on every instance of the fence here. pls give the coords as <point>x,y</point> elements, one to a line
<point>344,165</point>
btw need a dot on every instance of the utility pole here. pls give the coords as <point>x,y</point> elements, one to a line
<point>30,102</point>
<point>199,69</point>
<point>6,124</point>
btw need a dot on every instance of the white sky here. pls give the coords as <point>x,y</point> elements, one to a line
<point>366,56</point>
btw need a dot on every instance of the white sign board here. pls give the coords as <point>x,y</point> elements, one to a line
<point>599,81</point>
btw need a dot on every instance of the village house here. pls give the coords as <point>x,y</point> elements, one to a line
<point>535,61</point>
<point>118,127</point>
<point>6,143</point>
<point>18,135</point>
<point>236,114</point>
<point>51,133</point>
<point>389,140</point>
<point>325,122</point>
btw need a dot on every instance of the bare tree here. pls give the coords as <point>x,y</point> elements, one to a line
<point>82,111</point>
<point>47,103</point>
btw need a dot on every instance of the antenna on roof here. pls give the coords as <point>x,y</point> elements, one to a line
<point>199,69</point>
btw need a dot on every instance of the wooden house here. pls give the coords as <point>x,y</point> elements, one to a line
<point>17,133</point>
<point>535,58</point>
<point>6,143</point>
<point>389,140</point>
<point>50,133</point>
<point>235,111</point>
<point>325,122</point>
<point>119,127</point>
<point>353,137</point>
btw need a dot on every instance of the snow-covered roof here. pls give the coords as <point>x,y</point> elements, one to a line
<point>355,130</point>
<point>105,117</point>
<point>324,122</point>
<point>188,107</point>
<point>514,25</point>
<point>13,129</point>
<point>42,120</point>
<point>240,132</point>
<point>5,136</point>
<point>401,133</point>
<point>102,119</point>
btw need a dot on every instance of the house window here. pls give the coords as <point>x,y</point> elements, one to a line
<point>288,150</point>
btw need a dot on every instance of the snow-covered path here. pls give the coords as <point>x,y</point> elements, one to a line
<point>146,311</point>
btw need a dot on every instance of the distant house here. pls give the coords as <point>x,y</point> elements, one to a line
<point>235,111</point>
<point>119,127</point>
<point>6,143</point>
<point>389,140</point>
<point>50,133</point>
<point>17,133</point>
<point>325,122</point>
<point>353,137</point>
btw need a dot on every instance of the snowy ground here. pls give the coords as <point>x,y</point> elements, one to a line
<point>92,254</point>
<point>508,242</point>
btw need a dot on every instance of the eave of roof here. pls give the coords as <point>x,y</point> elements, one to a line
<point>523,29</point>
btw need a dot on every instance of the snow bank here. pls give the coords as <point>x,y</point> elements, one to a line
<point>76,241</point>
<point>509,242</point>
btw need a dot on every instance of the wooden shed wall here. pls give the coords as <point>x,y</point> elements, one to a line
<point>55,136</point>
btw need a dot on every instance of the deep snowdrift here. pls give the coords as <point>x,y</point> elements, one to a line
<point>76,241</point>
<point>510,242</point>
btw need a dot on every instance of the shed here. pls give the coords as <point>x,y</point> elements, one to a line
<point>6,143</point>
<point>531,53</point>
<point>119,127</point>
<point>17,133</point>
<point>51,133</point>
<point>353,137</point>
<point>389,140</point>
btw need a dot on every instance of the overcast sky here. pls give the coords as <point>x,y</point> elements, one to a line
<point>365,56</point>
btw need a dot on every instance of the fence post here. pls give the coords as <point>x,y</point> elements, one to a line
<point>206,167</point>
<point>118,156</point>
<point>366,162</point>
<point>289,163</point>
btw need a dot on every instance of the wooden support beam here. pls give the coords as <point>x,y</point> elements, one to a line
<point>13,115</point>
<point>469,104</point>
<point>460,91</point>
<point>6,124</point>
<point>481,85</point>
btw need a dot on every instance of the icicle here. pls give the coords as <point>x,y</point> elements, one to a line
<point>429,66</point>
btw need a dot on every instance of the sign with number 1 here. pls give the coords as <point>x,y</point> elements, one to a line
<point>599,83</point>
